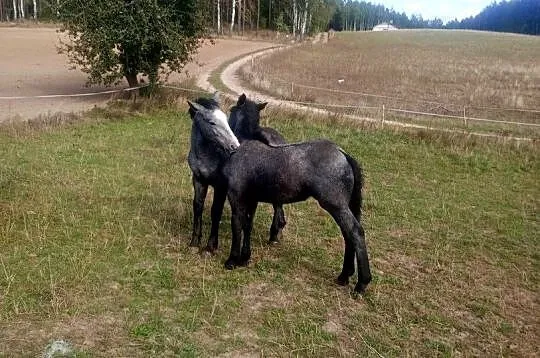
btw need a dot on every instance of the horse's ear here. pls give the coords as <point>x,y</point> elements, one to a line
<point>195,106</point>
<point>241,100</point>
<point>215,97</point>
<point>261,106</point>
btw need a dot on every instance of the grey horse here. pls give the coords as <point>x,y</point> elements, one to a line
<point>256,172</point>
<point>206,169</point>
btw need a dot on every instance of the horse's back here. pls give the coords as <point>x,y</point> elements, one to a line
<point>271,136</point>
<point>286,173</point>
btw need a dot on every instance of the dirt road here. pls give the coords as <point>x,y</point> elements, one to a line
<point>30,66</point>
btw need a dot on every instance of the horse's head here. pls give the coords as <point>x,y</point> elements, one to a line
<point>211,123</point>
<point>245,117</point>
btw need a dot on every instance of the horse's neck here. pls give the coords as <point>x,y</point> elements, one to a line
<point>204,159</point>
<point>246,130</point>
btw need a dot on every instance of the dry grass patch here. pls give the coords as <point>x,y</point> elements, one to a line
<point>440,72</point>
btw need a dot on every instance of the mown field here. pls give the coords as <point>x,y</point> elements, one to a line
<point>95,218</point>
<point>448,73</point>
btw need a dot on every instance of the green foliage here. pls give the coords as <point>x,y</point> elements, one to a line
<point>519,16</point>
<point>112,39</point>
<point>281,26</point>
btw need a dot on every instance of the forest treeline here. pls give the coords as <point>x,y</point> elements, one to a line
<point>301,17</point>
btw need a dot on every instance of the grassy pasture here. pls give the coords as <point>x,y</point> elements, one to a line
<point>95,219</point>
<point>440,72</point>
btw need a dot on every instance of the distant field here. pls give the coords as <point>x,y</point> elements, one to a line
<point>95,219</point>
<point>441,72</point>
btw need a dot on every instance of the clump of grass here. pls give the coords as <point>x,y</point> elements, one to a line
<point>95,218</point>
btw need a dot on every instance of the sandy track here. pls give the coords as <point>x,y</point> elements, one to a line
<point>30,66</point>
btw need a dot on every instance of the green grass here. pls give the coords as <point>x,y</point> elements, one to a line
<point>95,219</point>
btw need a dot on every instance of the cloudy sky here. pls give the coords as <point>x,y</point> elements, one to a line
<point>444,9</point>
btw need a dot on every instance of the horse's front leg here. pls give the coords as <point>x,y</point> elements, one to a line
<point>199,196</point>
<point>245,255</point>
<point>220,194</point>
<point>278,223</point>
<point>238,218</point>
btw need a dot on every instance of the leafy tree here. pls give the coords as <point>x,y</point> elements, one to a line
<point>112,39</point>
<point>520,16</point>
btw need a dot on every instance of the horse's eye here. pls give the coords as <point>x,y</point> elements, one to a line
<point>212,123</point>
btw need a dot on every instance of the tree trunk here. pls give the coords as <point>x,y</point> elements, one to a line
<point>35,9</point>
<point>239,16</point>
<point>14,10</point>
<point>132,79</point>
<point>218,17</point>
<point>295,18</point>
<point>269,24</point>
<point>304,19</point>
<point>258,15</point>
<point>21,10</point>
<point>232,15</point>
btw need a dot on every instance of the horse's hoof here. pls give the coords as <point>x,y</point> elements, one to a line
<point>360,288</point>
<point>342,280</point>
<point>243,262</point>
<point>230,264</point>
<point>273,242</point>
<point>209,251</point>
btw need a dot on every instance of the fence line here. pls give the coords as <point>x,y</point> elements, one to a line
<point>74,94</point>
<point>185,89</point>
<point>300,103</point>
<point>464,117</point>
<point>293,84</point>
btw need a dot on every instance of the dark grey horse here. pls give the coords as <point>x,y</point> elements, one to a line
<point>209,121</point>
<point>257,172</point>
<point>245,123</point>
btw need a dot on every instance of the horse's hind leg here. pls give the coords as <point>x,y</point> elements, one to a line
<point>199,196</point>
<point>364,273</point>
<point>278,223</point>
<point>220,195</point>
<point>348,264</point>
<point>355,245</point>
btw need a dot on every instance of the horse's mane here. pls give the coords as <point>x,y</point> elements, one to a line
<point>208,103</point>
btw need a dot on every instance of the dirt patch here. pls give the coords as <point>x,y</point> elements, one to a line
<point>97,333</point>
<point>30,66</point>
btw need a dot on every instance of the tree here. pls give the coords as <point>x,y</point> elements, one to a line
<point>520,16</point>
<point>112,39</point>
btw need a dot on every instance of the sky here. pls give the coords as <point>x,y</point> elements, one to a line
<point>443,9</point>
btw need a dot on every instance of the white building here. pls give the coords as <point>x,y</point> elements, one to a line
<point>385,27</point>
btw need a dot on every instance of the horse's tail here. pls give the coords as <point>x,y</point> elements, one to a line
<point>355,204</point>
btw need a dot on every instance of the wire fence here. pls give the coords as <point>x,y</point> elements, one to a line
<point>471,117</point>
<point>34,106</point>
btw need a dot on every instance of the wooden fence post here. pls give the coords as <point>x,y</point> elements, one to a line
<point>382,119</point>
